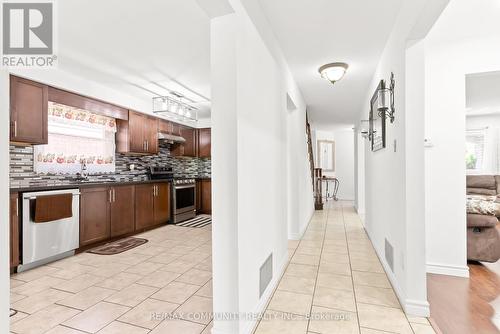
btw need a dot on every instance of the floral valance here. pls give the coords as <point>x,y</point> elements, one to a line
<point>62,113</point>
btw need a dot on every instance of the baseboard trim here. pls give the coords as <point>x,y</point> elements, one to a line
<point>444,269</point>
<point>419,308</point>
<point>300,234</point>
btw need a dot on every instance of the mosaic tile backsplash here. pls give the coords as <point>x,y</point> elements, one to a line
<point>22,174</point>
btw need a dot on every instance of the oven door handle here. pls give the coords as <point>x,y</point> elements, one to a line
<point>185,187</point>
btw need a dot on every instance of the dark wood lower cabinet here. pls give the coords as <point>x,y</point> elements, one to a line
<point>14,230</point>
<point>94,215</point>
<point>122,210</point>
<point>162,203</point>
<point>204,196</point>
<point>144,206</point>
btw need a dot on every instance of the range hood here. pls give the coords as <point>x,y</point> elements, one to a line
<point>170,138</point>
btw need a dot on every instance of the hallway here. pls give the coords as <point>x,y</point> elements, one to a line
<point>335,275</point>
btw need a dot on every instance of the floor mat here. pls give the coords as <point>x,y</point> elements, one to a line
<point>198,221</point>
<point>118,246</point>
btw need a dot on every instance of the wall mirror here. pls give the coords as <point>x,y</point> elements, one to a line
<point>326,155</point>
<point>377,120</point>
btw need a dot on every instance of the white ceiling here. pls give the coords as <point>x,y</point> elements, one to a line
<point>314,32</point>
<point>138,47</point>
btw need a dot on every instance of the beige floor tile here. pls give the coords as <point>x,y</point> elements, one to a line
<point>383,318</point>
<point>378,296</point>
<point>38,285</point>
<point>71,271</point>
<point>64,330</point>
<point>305,259</point>
<point>418,320</point>
<point>15,283</point>
<point>371,266</point>
<point>206,290</point>
<point>334,281</point>
<point>97,317</point>
<point>334,257</point>
<point>40,300</point>
<point>176,292</point>
<point>335,268</point>
<point>178,327</point>
<point>208,329</point>
<point>34,274</point>
<point>196,309</point>
<point>311,243</point>
<point>109,270</point>
<point>309,250</point>
<point>120,328</point>
<point>195,276</point>
<point>165,258</point>
<point>18,316</point>
<point>119,281</point>
<point>290,302</point>
<point>86,298</point>
<point>150,250</point>
<point>281,323</point>
<point>178,266</point>
<point>42,321</point>
<point>293,243</point>
<point>297,284</point>
<point>132,295</point>
<point>371,331</point>
<point>422,329</point>
<point>132,259</point>
<point>15,297</point>
<point>336,299</point>
<point>79,283</point>
<point>149,313</point>
<point>302,270</point>
<point>333,321</point>
<point>158,279</point>
<point>144,268</point>
<point>371,279</point>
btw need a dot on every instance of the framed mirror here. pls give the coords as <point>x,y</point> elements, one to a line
<point>377,120</point>
<point>326,155</point>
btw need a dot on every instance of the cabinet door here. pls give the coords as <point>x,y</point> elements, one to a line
<point>206,196</point>
<point>198,196</point>
<point>151,134</point>
<point>190,145</point>
<point>94,215</point>
<point>14,230</point>
<point>136,132</point>
<point>144,206</point>
<point>162,203</point>
<point>122,210</point>
<point>176,129</point>
<point>164,126</point>
<point>28,111</point>
<point>204,143</point>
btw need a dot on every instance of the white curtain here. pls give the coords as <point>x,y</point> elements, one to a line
<point>76,136</point>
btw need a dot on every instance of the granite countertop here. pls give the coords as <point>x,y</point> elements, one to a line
<point>54,185</point>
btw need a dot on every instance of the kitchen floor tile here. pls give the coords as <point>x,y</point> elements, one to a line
<point>132,295</point>
<point>40,300</point>
<point>178,327</point>
<point>302,270</point>
<point>195,276</point>
<point>289,302</point>
<point>42,321</point>
<point>196,309</point>
<point>86,298</point>
<point>338,322</point>
<point>97,317</point>
<point>334,281</point>
<point>149,313</point>
<point>371,279</point>
<point>335,299</point>
<point>278,322</point>
<point>64,330</point>
<point>119,281</point>
<point>378,296</point>
<point>206,290</point>
<point>117,327</point>
<point>297,284</point>
<point>176,292</point>
<point>144,268</point>
<point>158,279</point>
<point>383,318</point>
<point>79,283</point>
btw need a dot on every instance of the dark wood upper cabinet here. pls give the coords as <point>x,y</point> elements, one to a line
<point>28,111</point>
<point>144,206</point>
<point>94,215</point>
<point>14,230</point>
<point>138,134</point>
<point>122,210</point>
<point>189,148</point>
<point>204,143</point>
<point>162,203</point>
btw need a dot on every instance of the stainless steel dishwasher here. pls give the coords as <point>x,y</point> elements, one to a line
<point>49,241</point>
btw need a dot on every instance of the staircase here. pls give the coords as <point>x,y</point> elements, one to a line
<point>310,148</point>
<point>316,173</point>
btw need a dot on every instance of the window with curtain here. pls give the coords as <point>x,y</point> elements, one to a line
<point>76,136</point>
<point>475,150</point>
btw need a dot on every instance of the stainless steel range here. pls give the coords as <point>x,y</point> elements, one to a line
<point>184,199</point>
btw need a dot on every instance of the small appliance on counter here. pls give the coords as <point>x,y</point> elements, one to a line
<point>51,226</point>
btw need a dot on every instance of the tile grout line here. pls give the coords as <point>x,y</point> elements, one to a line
<point>324,221</point>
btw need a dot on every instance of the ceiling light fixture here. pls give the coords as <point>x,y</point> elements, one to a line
<point>175,108</point>
<point>333,72</point>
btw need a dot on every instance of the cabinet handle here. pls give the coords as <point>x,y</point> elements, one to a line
<point>147,145</point>
<point>110,196</point>
<point>15,128</point>
<point>114,195</point>
<point>17,208</point>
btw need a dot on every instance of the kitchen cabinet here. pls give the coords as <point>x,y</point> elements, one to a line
<point>152,205</point>
<point>28,111</point>
<point>122,210</point>
<point>138,134</point>
<point>204,196</point>
<point>162,203</point>
<point>204,143</point>
<point>14,230</point>
<point>189,147</point>
<point>169,127</point>
<point>94,215</point>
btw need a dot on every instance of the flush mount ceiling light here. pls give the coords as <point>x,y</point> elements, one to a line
<point>333,72</point>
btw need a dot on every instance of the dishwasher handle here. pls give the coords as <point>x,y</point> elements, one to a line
<point>34,197</point>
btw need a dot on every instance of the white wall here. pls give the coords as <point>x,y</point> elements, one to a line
<point>359,175</point>
<point>394,188</point>
<point>249,176</point>
<point>344,159</point>
<point>445,127</point>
